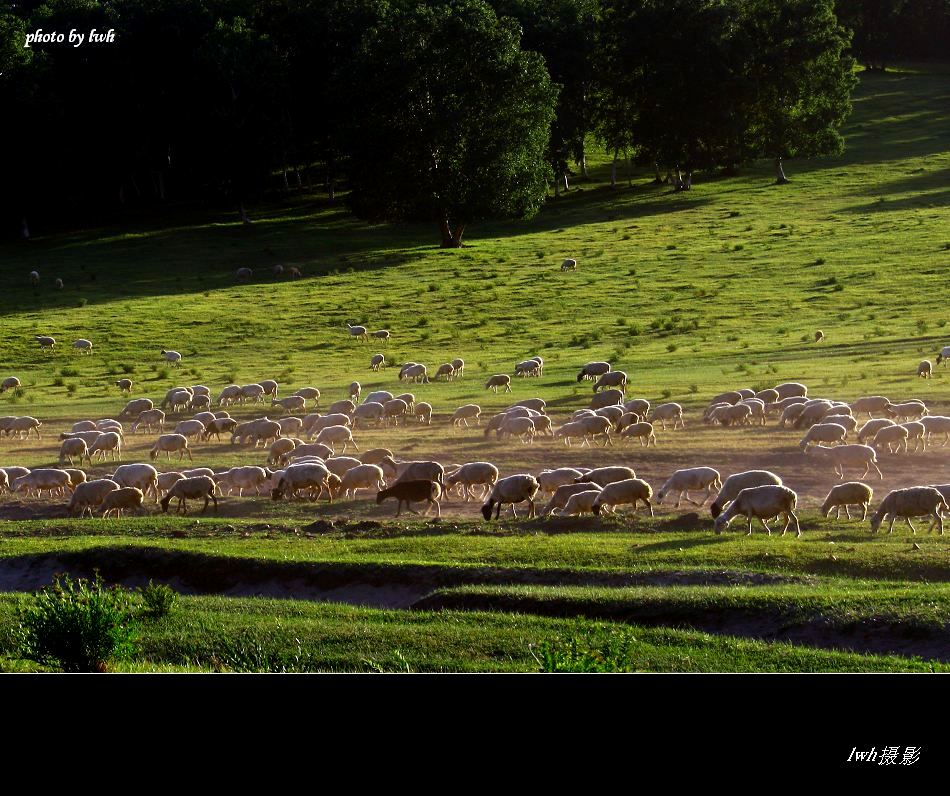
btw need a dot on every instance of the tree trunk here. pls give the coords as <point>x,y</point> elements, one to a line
<point>557,187</point>
<point>286,182</point>
<point>244,217</point>
<point>584,172</point>
<point>613,169</point>
<point>297,175</point>
<point>24,229</point>
<point>331,190</point>
<point>657,179</point>
<point>780,178</point>
<point>567,187</point>
<point>451,239</point>
<point>161,185</point>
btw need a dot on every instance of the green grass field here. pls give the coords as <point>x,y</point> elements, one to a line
<point>690,294</point>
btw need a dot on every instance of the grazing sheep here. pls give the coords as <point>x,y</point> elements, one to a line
<point>917,432</point>
<point>83,346</point>
<point>908,410</point>
<point>641,431</point>
<point>172,356</point>
<point>309,477</point>
<point>200,402</point>
<point>243,274</point>
<point>891,436</point>
<point>869,404</point>
<point>513,489</point>
<point>423,411</point>
<point>382,334</point>
<point>790,389</point>
<point>368,412</point>
<point>379,397</point>
<point>142,476</point>
<point>191,489</point>
<point>83,425</point>
<point>730,414</point>
<point>611,397</point>
<point>165,481</point>
<point>168,444</point>
<point>149,418</point>
<point>34,278</point>
<point>358,332</point>
<point>472,474</point>
<point>763,503</point>
<point>639,406</point>
<point>43,479</point>
<point>915,501</point>
<point>354,391</point>
<point>569,431</point>
<point>294,272</point>
<point>416,470</point>
<point>393,410</point>
<point>278,271</point>
<point>606,475</point>
<point>529,367</point>
<point>343,407</point>
<point>595,426</point>
<point>592,370</point>
<point>869,429</point>
<point>292,403</point>
<point>613,413</point>
<point>522,427</point>
<point>757,407</point>
<point>362,476</point>
<point>569,264</point>
<point>124,385</point>
<point>925,369</point>
<point>627,492</point>
<point>108,442</point>
<point>376,455</point>
<point>851,456</point>
<point>563,494</point>
<point>819,336</point>
<point>779,407</point>
<point>11,383</point>
<point>812,413</point>
<point>317,449</point>
<point>309,393</point>
<point>193,429</point>
<point>415,372</point>
<point>458,367</point>
<point>24,425</point>
<point>550,480</point>
<point>728,397</point>
<point>290,426</point>
<point>581,502</point>
<point>851,493</point>
<point>767,397</point>
<point>736,482</point>
<point>670,411</point>
<point>413,491</point>
<point>534,404</point>
<point>615,378</point>
<point>377,362</point>
<point>89,437</point>
<point>45,341</point>
<point>499,380</point>
<point>690,479</point>
<point>279,449</point>
<point>333,434</point>
<point>124,498</point>
<point>465,413</point>
<point>936,424</point>
<point>243,479</point>
<point>71,448</point>
<point>89,495</point>
<point>253,392</point>
<point>830,433</point>
<point>229,395</point>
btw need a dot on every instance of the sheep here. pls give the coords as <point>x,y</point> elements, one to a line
<point>580,502</point>
<point>333,434</point>
<point>34,278</point>
<point>293,403</point>
<point>464,413</point>
<point>730,414</point>
<point>354,391</point>
<point>166,480</point>
<point>363,476</point>
<point>142,476</point>
<point>243,478</point>
<point>358,332</point>
<point>847,421</point>
<point>377,361</point>
<point>819,336</point>
<point>200,402</point>
<point>83,425</point>
<point>542,425</point>
<point>416,373</point>
<point>278,271</point>
<point>851,456</point>
<point>73,447</point>
<point>402,370</point>
<point>229,395</point>
<point>915,501</point>
<point>279,449</point>
<point>423,411</point>
<point>830,433</point>
<point>569,264</point>
<point>736,482</point>
<point>343,407</point>
<point>45,341</point>
<point>83,346</point>
<point>149,418</point>
<point>606,475</point>
<point>304,476</point>
<point>519,427</point>
<point>764,503</point>
<point>243,274</point>
<point>122,499</point>
<point>43,479</point>
<point>318,449</point>
<point>615,378</point>
<point>310,393</point>
<point>513,489</point>
<point>262,430</point>
<point>24,424</point>
<point>290,425</point>
<point>569,431</point>
<point>10,383</point>
<point>611,397</point>
<point>592,370</point>
<point>294,272</point>
<point>379,397</point>
<point>89,495</point>
<point>393,410</point>
<point>368,412</point>
<point>529,367</point>
<point>851,493</point>
<point>445,370</point>
<point>629,491</point>
<point>891,436</point>
<point>812,413</point>
<point>108,441</point>
<point>191,489</point>
<point>917,432</point>
<point>340,465</point>
<point>169,443</point>
<point>925,369</point>
<point>499,380</point>
<point>639,406</point>
<point>550,480</point>
<point>172,356</point>
<point>779,407</point>
<point>534,404</point>
<point>458,367</point>
<point>937,424</point>
<point>692,478</point>
<point>108,424</point>
<point>413,492</point>
<point>757,407</point>
<point>89,437</point>
<point>768,396</point>
<point>869,404</point>
<point>409,398</point>
<point>872,426</point>
<point>472,474</point>
<point>376,455</point>
<point>670,411</point>
<point>193,429</point>
<point>791,389</point>
<point>909,410</point>
<point>563,494</point>
<point>944,355</point>
<point>729,397</point>
<point>58,283</point>
<point>254,392</point>
<point>641,431</point>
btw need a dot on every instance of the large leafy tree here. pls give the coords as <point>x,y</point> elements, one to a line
<point>450,118</point>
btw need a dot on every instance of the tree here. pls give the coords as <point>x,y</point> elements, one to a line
<point>450,119</point>
<point>873,23</point>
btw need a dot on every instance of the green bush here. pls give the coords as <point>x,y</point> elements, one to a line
<point>608,652</point>
<point>78,625</point>
<point>158,599</point>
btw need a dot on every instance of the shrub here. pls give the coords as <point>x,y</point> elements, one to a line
<point>71,388</point>
<point>693,389</point>
<point>671,347</point>
<point>666,393</point>
<point>158,599</point>
<point>609,652</point>
<point>78,625</point>
<point>82,302</point>
<point>922,326</point>
<point>161,373</point>
<point>126,367</point>
<point>68,372</point>
<point>58,381</point>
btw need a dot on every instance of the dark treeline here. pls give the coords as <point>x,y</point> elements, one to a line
<point>448,112</point>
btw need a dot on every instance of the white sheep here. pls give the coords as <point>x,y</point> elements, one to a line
<point>44,479</point>
<point>790,389</point>
<point>375,455</point>
<point>377,361</point>
<point>229,395</point>
<point>243,479</point>
<point>310,393</point>
<point>280,448</point>
<point>871,427</point>
<point>925,369</point>
<point>669,411</point>
<point>736,482</point>
<point>830,433</point>
<point>522,427</point>
<point>615,378</point>
<point>344,406</point>
<point>579,503</point>
<point>564,493</point>
<point>368,412</point>
<point>465,413</point>
<point>851,456</point>
<point>381,334</point>
<point>292,403</point>
<point>687,480</point>
<point>571,430</point>
<point>569,264</point>
<point>762,503</point>
<point>363,476</point>
<point>393,410</point>
<point>108,442</point>
<point>191,489</point>
<point>550,480</point>
<point>71,448</point>
<point>641,431</point>
<point>339,465</point>
<point>908,410</point>
<point>334,434</point>
<point>606,475</point>
<point>423,411</point>
<point>358,332</point>
<point>869,404</point>
<point>534,404</point>
<point>730,414</point>
<point>170,443</point>
<point>758,409</point>
<point>165,481</point>
<point>10,383</point>
<point>529,367</point>
<point>891,436</point>
<point>916,432</point>
<point>379,397</point>
<point>937,424</point>
<point>24,425</point>
<point>851,493</point>
<point>252,392</point>
<point>45,341</point>
<point>630,491</point>
<point>83,346</point>
<point>83,425</point>
<point>142,476</point>
<point>34,278</point>
<point>122,499</point>
<point>89,495</point>
<point>513,489</point>
<point>149,418</point>
<point>915,501</point>
<point>592,370</point>
<point>639,406</point>
<point>172,356</point>
<point>767,396</point>
<point>499,380</point>
<point>300,477</point>
<point>290,426</point>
